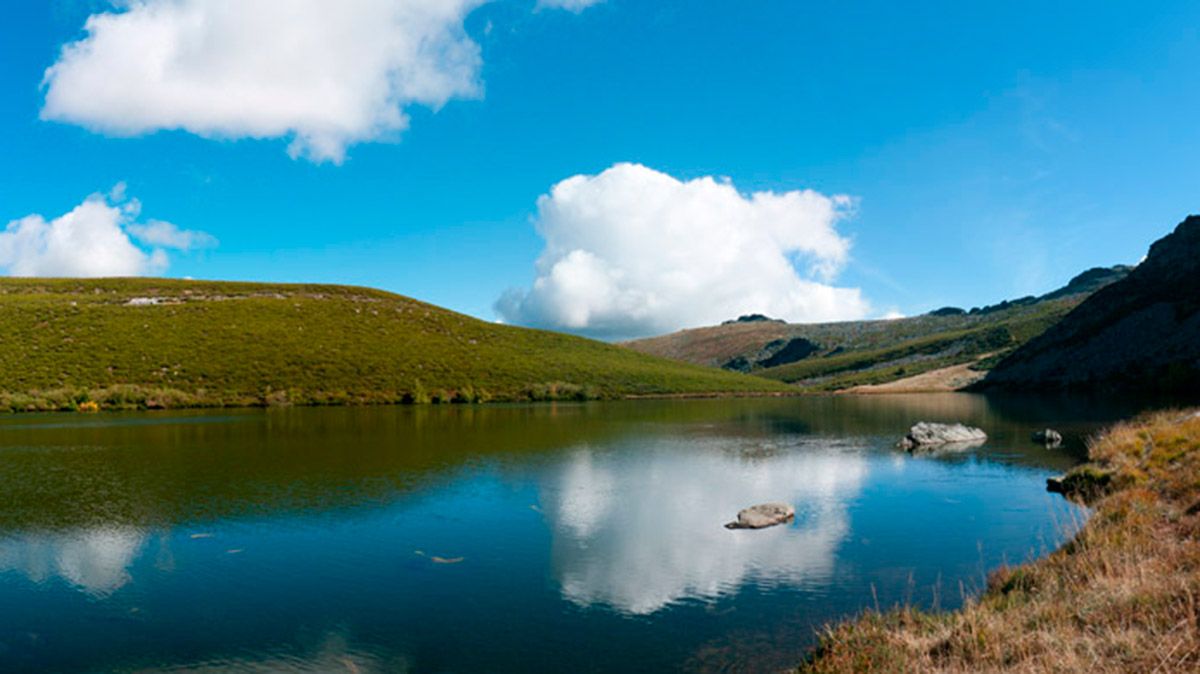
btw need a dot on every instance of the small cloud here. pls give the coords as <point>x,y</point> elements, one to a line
<point>96,238</point>
<point>892,315</point>
<point>160,234</point>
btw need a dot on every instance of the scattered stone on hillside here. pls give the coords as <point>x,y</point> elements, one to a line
<point>942,437</point>
<point>762,516</point>
<point>143,301</point>
<point>1048,437</point>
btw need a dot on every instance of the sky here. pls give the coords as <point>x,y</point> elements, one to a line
<point>614,168</point>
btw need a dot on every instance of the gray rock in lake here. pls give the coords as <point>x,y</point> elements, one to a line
<point>942,437</point>
<point>763,515</point>
<point>1048,437</point>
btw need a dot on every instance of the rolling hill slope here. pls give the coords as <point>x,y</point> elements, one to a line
<point>170,343</point>
<point>833,356</point>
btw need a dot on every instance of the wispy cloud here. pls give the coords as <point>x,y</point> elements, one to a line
<point>569,5</point>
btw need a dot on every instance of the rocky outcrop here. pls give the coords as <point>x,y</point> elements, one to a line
<point>948,311</point>
<point>762,516</point>
<point>927,436</point>
<point>753,318</point>
<point>1048,437</point>
<point>1140,333</point>
<point>789,351</point>
<point>1090,281</point>
<point>774,353</point>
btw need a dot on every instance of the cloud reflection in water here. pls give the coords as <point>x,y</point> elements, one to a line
<point>95,561</point>
<point>637,531</point>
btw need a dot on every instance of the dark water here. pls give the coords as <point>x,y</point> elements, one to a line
<point>502,539</point>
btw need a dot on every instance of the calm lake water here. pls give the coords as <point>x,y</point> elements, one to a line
<point>502,539</point>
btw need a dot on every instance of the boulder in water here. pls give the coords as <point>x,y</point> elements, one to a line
<point>762,516</point>
<point>930,436</point>
<point>1048,437</point>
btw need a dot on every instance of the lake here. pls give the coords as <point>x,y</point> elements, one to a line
<point>503,538</point>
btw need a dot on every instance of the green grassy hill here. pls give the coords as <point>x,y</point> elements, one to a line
<point>128,343</point>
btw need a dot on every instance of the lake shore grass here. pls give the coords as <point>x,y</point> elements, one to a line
<point>128,398</point>
<point>1123,595</point>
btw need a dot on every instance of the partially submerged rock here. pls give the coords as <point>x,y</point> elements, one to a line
<point>763,515</point>
<point>942,437</point>
<point>1048,437</point>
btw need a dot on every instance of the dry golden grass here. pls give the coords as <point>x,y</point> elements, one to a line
<point>1122,596</point>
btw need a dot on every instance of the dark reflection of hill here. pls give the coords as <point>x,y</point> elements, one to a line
<point>151,470</point>
<point>60,472</point>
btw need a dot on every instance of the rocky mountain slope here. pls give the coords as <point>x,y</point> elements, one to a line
<point>1141,333</point>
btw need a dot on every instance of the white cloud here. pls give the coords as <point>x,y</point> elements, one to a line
<point>633,251</point>
<point>162,234</point>
<point>569,5</point>
<point>325,74</point>
<point>93,240</point>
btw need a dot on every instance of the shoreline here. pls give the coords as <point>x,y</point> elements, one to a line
<point>1122,595</point>
<point>132,398</point>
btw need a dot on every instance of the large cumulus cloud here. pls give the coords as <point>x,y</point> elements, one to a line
<point>633,251</point>
<point>326,74</point>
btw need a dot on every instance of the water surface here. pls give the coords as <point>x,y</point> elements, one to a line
<point>504,539</point>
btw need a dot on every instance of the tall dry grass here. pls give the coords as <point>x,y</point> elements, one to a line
<point>1122,596</point>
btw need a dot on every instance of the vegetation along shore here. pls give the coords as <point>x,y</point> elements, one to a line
<point>1123,595</point>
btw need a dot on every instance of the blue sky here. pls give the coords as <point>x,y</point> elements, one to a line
<point>991,151</point>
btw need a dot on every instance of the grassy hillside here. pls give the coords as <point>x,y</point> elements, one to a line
<point>835,356</point>
<point>862,352</point>
<point>982,342</point>
<point>169,343</point>
<point>1120,597</point>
